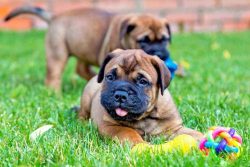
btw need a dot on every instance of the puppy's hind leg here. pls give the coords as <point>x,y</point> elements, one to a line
<point>86,99</point>
<point>84,110</point>
<point>57,56</point>
<point>89,93</point>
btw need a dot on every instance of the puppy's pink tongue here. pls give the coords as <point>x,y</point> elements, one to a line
<point>121,112</point>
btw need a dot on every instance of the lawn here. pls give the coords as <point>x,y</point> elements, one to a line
<point>216,91</point>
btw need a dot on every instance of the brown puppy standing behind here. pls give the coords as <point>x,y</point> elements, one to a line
<point>89,34</point>
<point>129,99</point>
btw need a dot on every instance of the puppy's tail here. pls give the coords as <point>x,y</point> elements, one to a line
<point>41,13</point>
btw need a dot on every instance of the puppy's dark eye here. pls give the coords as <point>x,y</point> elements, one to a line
<point>110,77</point>
<point>141,81</point>
<point>144,40</point>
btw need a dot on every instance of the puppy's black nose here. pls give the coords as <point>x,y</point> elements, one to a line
<point>121,96</point>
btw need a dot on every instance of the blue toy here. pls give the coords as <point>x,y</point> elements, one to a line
<point>172,66</point>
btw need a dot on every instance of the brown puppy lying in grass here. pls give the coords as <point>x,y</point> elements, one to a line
<point>129,99</point>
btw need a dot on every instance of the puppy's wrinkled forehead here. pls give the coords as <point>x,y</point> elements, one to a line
<point>151,26</point>
<point>130,61</point>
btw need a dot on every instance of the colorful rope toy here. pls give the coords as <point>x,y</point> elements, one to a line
<point>224,141</point>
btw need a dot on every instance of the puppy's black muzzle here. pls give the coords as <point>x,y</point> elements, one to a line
<point>156,49</point>
<point>126,96</point>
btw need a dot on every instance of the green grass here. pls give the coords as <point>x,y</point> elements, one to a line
<point>216,92</point>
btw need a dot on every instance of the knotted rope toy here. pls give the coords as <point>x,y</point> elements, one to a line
<point>225,142</point>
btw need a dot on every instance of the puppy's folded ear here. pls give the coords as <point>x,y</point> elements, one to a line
<point>126,28</point>
<point>102,69</point>
<point>164,75</point>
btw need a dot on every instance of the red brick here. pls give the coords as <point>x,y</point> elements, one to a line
<point>212,27</point>
<point>62,6</point>
<point>235,26</point>
<point>159,4</point>
<point>219,16</point>
<point>116,5</point>
<point>198,3</point>
<point>245,16</point>
<point>4,2</point>
<point>235,3</point>
<point>17,24</point>
<point>182,17</point>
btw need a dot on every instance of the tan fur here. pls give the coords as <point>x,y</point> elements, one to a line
<point>161,116</point>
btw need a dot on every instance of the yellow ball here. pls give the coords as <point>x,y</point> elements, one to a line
<point>183,143</point>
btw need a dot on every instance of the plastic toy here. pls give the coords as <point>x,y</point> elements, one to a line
<point>172,66</point>
<point>225,142</point>
<point>183,143</point>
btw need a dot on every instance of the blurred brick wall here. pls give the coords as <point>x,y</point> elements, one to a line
<point>183,15</point>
